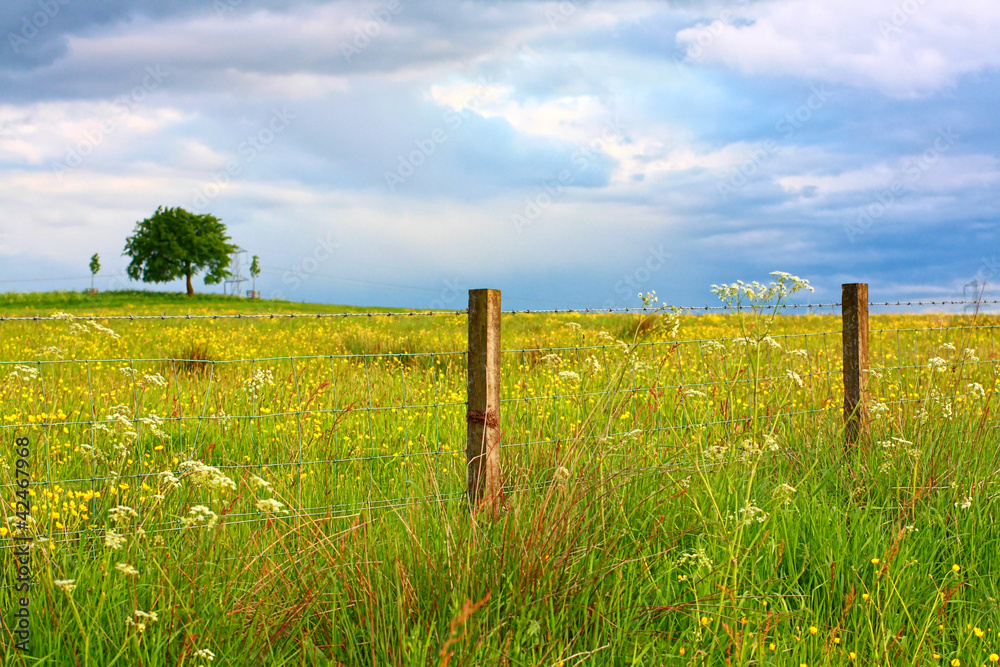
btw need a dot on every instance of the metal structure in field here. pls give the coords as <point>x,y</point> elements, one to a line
<point>239,261</point>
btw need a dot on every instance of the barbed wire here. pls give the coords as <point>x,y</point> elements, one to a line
<point>226,316</point>
<point>424,313</point>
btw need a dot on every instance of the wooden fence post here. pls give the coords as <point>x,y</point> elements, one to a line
<point>483,416</point>
<point>854,309</point>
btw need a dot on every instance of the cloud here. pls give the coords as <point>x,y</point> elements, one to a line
<point>902,49</point>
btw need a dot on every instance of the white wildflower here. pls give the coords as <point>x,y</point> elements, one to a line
<point>569,376</point>
<point>976,389</point>
<point>698,558</point>
<point>784,494</point>
<point>204,654</point>
<point>713,347</point>
<point>693,393</point>
<point>551,360</point>
<point>878,410</point>
<point>748,514</point>
<point>937,364</point>
<point>122,514</point>
<point>206,476</point>
<point>127,570</point>
<point>271,506</point>
<point>22,372</point>
<point>155,379</point>
<point>199,515</point>
<point>968,354</point>
<point>948,346</point>
<point>142,619</point>
<point>66,585</point>
<point>573,325</point>
<point>260,482</point>
<point>260,379</point>
<point>128,371</point>
<point>965,504</point>
<point>113,540</point>
<point>794,377</point>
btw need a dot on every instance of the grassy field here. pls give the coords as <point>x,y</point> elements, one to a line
<point>677,489</point>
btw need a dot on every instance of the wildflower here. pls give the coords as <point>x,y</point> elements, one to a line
<point>813,629</point>
<point>551,360</point>
<point>794,377</point>
<point>976,389</point>
<point>772,646</point>
<point>155,379</point>
<point>113,540</point>
<point>142,619</point>
<point>698,557</point>
<point>205,654</point>
<point>22,372</point>
<point>994,658</point>
<point>748,514</point>
<point>271,506</point>
<point>569,376</point>
<point>852,655</point>
<point>956,567</point>
<point>122,514</point>
<point>199,515</point>
<point>784,493</point>
<point>704,620</point>
<point>956,662</point>
<point>66,585</point>
<point>127,570</point>
<point>965,504</point>
<point>206,475</point>
<point>875,561</point>
<point>681,651</point>
<point>865,596</point>
<point>978,632</point>
<point>575,326</point>
<point>259,482</point>
<point>937,364</point>
<point>258,381</point>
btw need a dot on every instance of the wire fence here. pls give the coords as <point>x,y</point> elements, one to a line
<point>187,440</point>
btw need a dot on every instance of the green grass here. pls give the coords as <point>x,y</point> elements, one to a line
<point>676,502</point>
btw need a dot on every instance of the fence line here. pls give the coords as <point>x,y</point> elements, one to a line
<point>424,313</point>
<point>373,415</point>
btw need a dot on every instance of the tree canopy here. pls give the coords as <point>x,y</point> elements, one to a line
<point>175,243</point>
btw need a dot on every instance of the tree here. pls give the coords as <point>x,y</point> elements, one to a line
<point>95,266</point>
<point>175,243</point>
<point>255,271</point>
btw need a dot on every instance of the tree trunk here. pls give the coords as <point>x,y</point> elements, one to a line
<point>190,286</point>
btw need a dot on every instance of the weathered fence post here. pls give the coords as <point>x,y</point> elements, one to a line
<point>483,416</point>
<point>854,309</point>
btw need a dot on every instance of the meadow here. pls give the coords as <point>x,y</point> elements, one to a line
<point>677,488</point>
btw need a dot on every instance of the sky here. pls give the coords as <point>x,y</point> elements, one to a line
<point>571,154</point>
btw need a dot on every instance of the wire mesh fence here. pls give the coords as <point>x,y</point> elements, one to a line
<point>168,424</point>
